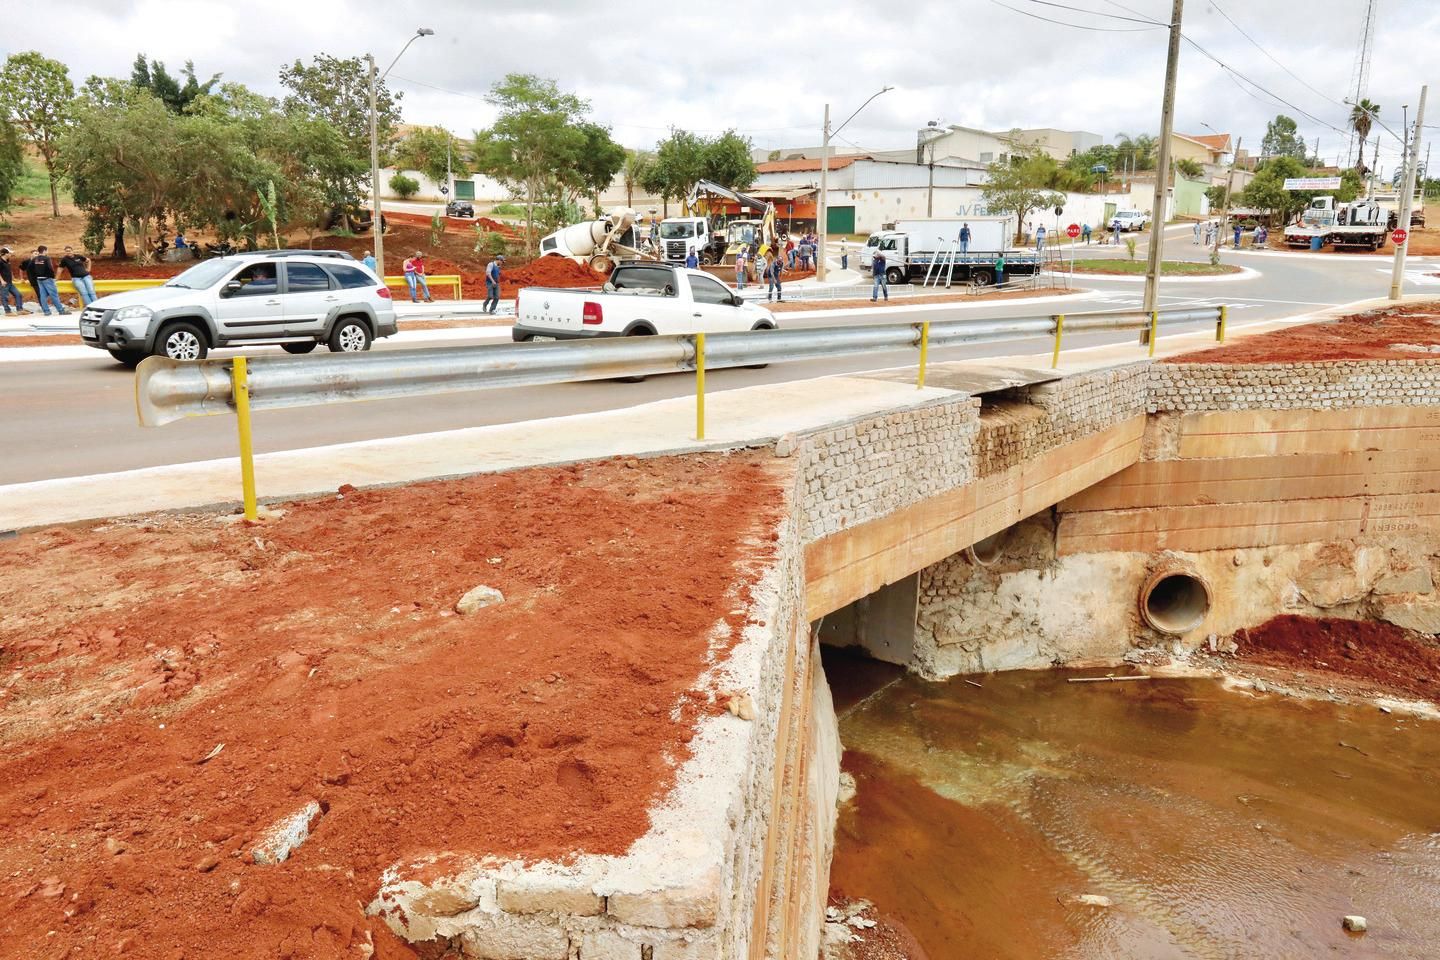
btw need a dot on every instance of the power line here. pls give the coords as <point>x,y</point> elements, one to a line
<point>1098,13</point>
<point>1267,53</point>
<point>1077,26</point>
<point>1273,96</point>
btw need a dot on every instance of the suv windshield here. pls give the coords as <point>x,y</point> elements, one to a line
<point>202,276</point>
<point>677,231</point>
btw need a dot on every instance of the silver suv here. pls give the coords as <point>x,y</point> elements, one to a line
<point>296,298</point>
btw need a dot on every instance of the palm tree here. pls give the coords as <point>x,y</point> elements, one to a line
<point>1362,115</point>
<point>636,164</point>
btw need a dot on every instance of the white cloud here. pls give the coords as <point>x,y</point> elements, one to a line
<point>767,69</point>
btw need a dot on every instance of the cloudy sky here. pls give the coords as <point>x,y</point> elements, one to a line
<point>768,69</point>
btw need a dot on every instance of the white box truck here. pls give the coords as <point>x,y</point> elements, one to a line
<point>930,246</point>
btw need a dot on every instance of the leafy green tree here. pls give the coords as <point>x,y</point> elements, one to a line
<point>1267,190</point>
<point>1082,163</point>
<point>1135,153</point>
<point>727,161</point>
<point>533,142</point>
<point>151,75</point>
<point>433,150</point>
<point>600,159</point>
<point>337,90</point>
<point>679,162</point>
<point>36,96</point>
<point>12,164</point>
<point>1021,183</point>
<point>407,187</point>
<point>1282,139</point>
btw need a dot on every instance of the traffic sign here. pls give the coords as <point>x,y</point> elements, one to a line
<point>1399,236</point>
<point>1072,231</point>
<point>444,191</point>
<point>1059,211</point>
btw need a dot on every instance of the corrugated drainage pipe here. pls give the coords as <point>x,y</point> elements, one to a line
<point>1174,600</point>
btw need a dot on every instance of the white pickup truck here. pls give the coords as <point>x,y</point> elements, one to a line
<point>640,299</point>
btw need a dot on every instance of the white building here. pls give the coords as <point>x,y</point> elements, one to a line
<point>865,192</point>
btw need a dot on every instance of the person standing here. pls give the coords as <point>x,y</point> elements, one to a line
<point>369,261</point>
<point>1085,232</point>
<point>692,262</point>
<point>964,239</point>
<point>414,268</point>
<point>41,271</point>
<point>879,279</point>
<point>844,255</point>
<point>777,267</point>
<point>1238,231</point>
<point>1196,240</point>
<point>740,269</point>
<point>492,284</point>
<point>1000,270</point>
<point>78,266</point>
<point>1040,239</point>
<point>790,251</point>
<point>9,293</point>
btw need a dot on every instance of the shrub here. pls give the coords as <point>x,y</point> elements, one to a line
<point>1130,247</point>
<point>508,210</point>
<point>492,242</point>
<point>405,187</point>
<point>437,228</point>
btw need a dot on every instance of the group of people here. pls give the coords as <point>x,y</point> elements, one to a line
<point>1207,231</point>
<point>768,268</point>
<point>41,272</point>
<point>417,282</point>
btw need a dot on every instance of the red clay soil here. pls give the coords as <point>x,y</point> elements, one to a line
<point>41,340</point>
<point>322,651</point>
<point>1374,653</point>
<point>791,306</point>
<point>1397,333</point>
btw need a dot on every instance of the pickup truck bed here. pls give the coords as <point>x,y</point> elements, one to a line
<point>640,299</point>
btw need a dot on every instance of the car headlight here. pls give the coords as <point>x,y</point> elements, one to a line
<point>134,313</point>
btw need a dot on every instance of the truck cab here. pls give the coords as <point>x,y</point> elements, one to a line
<point>678,235</point>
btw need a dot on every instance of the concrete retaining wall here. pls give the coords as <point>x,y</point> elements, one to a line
<point>1183,387</point>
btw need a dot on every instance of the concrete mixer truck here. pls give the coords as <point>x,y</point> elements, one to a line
<point>598,243</point>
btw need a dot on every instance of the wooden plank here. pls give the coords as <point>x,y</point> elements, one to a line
<point>843,567</point>
<point>1156,483</point>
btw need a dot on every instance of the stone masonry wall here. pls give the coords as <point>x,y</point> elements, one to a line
<point>1193,387</point>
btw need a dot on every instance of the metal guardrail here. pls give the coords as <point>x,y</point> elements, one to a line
<point>169,390</point>
<point>103,287</point>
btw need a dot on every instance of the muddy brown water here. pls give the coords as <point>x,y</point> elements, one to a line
<point>1219,824</point>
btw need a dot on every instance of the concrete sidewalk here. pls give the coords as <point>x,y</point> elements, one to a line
<point>736,418</point>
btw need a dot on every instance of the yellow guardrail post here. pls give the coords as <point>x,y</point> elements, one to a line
<point>1154,329</point>
<point>1220,324</point>
<point>924,353</point>
<point>1059,332</point>
<point>242,417</point>
<point>699,386</point>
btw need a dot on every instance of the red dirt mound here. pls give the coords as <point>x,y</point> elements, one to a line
<point>1391,658</point>
<point>1398,333</point>
<point>323,652</point>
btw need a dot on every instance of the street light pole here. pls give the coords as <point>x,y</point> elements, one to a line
<point>1162,162</point>
<point>376,218</point>
<point>1412,160</point>
<point>821,204</point>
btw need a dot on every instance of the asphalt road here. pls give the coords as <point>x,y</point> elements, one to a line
<point>73,417</point>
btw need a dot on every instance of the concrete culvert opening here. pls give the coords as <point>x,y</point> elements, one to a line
<point>984,553</point>
<point>1174,601</point>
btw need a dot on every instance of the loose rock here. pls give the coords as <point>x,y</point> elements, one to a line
<point>478,598</point>
<point>285,836</point>
<point>1355,924</point>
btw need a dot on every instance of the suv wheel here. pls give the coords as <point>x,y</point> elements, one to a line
<point>182,341</point>
<point>128,358</point>
<point>350,336</point>
<point>299,347</point>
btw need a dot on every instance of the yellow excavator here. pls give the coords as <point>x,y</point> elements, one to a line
<point>738,234</point>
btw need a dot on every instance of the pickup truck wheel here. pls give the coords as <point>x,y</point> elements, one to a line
<point>128,358</point>
<point>299,347</point>
<point>759,366</point>
<point>350,336</point>
<point>642,332</point>
<point>182,341</point>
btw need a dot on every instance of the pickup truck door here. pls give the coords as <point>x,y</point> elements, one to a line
<point>308,297</point>
<point>714,306</point>
<point>251,308</point>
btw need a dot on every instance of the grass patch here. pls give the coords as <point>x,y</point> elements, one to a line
<point>1170,268</point>
<point>34,184</point>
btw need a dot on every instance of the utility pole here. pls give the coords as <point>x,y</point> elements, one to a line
<point>376,224</point>
<point>1397,274</point>
<point>1229,188</point>
<point>1162,162</point>
<point>930,194</point>
<point>820,212</point>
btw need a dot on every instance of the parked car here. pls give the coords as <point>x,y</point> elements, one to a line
<point>1130,220</point>
<point>460,208</point>
<point>295,298</point>
<point>640,299</point>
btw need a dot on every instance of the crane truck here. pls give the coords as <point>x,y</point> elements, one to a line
<point>1360,223</point>
<point>712,242</point>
